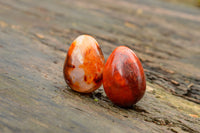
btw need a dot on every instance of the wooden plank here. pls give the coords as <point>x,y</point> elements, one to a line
<point>35,36</point>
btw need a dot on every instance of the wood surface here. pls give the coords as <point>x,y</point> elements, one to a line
<point>36,34</point>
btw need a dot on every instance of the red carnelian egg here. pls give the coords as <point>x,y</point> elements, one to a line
<point>83,67</point>
<point>123,77</point>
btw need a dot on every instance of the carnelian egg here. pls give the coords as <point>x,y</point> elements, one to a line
<point>83,67</point>
<point>123,77</point>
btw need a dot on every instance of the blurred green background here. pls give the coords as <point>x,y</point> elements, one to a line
<point>187,2</point>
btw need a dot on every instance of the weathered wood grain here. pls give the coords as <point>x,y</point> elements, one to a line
<point>35,36</point>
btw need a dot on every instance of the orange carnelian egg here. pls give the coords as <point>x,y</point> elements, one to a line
<point>83,67</point>
<point>123,77</point>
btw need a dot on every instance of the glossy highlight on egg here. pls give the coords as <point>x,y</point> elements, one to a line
<point>83,67</point>
<point>123,77</point>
